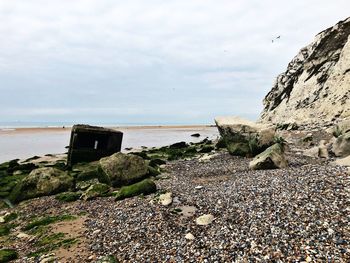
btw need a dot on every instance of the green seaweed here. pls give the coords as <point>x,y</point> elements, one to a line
<point>6,255</point>
<point>68,196</point>
<point>47,220</point>
<point>145,187</point>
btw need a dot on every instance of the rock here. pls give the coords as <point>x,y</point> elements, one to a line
<point>41,182</point>
<point>243,137</point>
<point>344,161</point>
<point>108,259</point>
<point>271,158</point>
<point>83,185</point>
<point>95,190</point>
<point>6,255</point>
<point>205,220</point>
<point>341,146</point>
<point>68,196</point>
<point>318,151</point>
<point>341,128</point>
<point>198,187</point>
<point>22,235</point>
<point>2,219</point>
<point>312,152</point>
<point>166,199</point>
<point>189,236</point>
<point>122,169</point>
<point>195,135</point>
<point>315,87</point>
<point>145,187</point>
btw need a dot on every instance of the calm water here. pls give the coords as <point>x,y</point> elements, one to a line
<point>25,144</point>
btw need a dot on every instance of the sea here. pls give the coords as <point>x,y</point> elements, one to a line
<point>25,141</point>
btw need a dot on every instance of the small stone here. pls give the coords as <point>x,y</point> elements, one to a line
<point>189,236</point>
<point>308,259</point>
<point>23,235</point>
<point>205,220</point>
<point>165,199</point>
<point>2,219</point>
<point>198,187</point>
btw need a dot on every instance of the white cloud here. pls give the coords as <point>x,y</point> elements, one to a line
<point>142,53</point>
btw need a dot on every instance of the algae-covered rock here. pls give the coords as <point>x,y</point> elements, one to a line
<point>123,169</point>
<point>145,187</point>
<point>271,158</point>
<point>41,182</point>
<point>243,137</point>
<point>95,190</point>
<point>6,255</point>
<point>341,146</point>
<point>68,196</point>
<point>108,259</point>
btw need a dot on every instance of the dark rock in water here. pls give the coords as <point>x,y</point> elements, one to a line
<point>145,187</point>
<point>195,135</point>
<point>128,148</point>
<point>90,143</point>
<point>206,149</point>
<point>41,182</point>
<point>178,145</point>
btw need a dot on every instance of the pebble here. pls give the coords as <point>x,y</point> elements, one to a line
<point>165,199</point>
<point>204,220</point>
<point>189,236</point>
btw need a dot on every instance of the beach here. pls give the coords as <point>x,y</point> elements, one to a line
<point>23,143</point>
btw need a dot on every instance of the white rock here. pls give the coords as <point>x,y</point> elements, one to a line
<point>343,161</point>
<point>165,199</point>
<point>189,236</point>
<point>204,220</point>
<point>23,235</point>
<point>2,219</point>
<point>198,187</point>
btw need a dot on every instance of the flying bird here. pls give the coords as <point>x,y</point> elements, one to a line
<point>273,40</point>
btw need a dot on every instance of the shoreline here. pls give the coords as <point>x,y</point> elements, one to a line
<point>18,130</point>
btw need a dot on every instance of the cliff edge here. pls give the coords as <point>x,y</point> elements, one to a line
<point>315,88</point>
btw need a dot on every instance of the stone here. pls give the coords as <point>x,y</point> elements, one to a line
<point>314,89</point>
<point>95,190</point>
<point>22,235</point>
<point>272,158</point>
<point>41,182</point>
<point>166,199</point>
<point>123,169</point>
<point>243,137</point>
<point>341,146</point>
<point>205,220</point>
<point>343,161</point>
<point>318,151</point>
<point>189,236</point>
<point>144,187</point>
<point>91,143</point>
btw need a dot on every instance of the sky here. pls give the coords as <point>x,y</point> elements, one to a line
<point>149,62</point>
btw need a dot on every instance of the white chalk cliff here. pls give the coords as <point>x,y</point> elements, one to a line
<point>315,88</point>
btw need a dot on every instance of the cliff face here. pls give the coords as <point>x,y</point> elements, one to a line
<point>315,88</point>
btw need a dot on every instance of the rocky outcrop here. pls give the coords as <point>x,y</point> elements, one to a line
<point>315,88</point>
<point>272,158</point>
<point>243,137</point>
<point>341,146</point>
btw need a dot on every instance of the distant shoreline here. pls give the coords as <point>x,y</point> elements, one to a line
<point>18,130</point>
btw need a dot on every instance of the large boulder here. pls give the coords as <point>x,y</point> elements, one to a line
<point>272,158</point>
<point>41,182</point>
<point>122,169</point>
<point>341,146</point>
<point>243,137</point>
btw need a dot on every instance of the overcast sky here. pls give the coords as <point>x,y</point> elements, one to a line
<point>154,61</point>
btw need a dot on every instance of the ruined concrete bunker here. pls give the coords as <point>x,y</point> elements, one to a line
<point>91,143</point>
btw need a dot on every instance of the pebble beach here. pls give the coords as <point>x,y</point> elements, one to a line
<point>297,214</point>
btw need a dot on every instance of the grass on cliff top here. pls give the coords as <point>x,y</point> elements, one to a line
<point>47,220</point>
<point>6,255</point>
